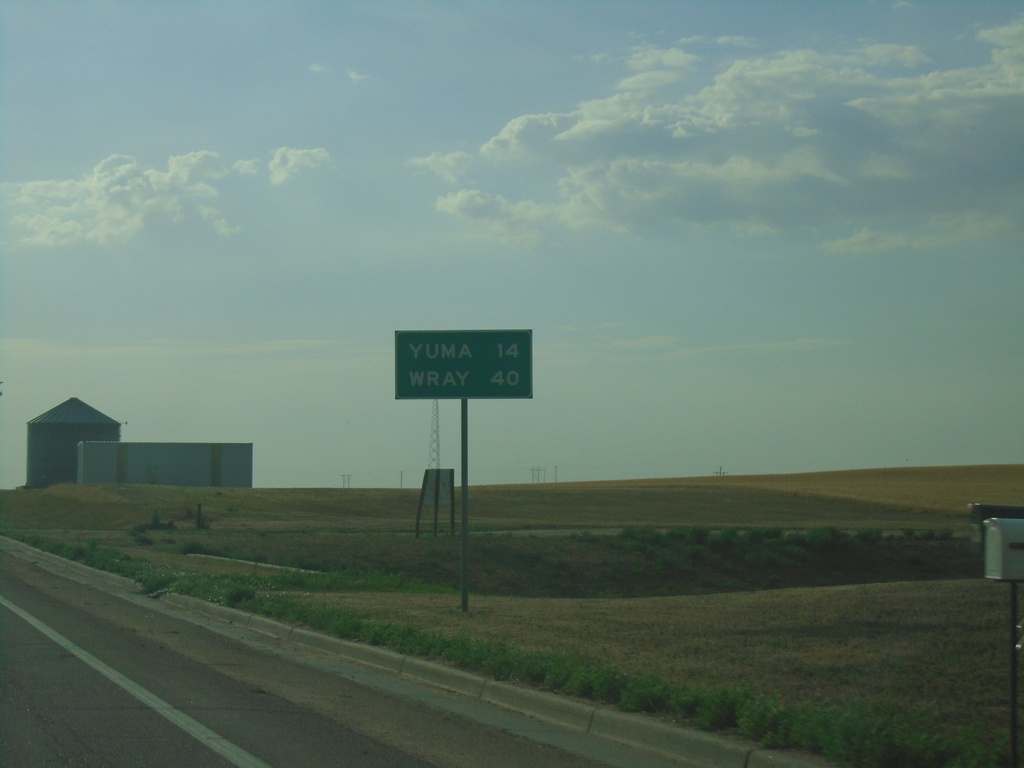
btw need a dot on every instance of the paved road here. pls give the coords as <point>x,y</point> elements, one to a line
<point>90,679</point>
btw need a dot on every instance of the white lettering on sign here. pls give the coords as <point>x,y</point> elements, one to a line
<point>440,351</point>
<point>502,378</point>
<point>435,379</point>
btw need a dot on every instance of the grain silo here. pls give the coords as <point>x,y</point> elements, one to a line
<point>54,436</point>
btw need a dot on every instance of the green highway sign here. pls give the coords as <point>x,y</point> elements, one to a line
<point>457,365</point>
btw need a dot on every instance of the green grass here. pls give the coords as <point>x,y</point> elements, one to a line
<point>569,542</point>
<point>638,561</point>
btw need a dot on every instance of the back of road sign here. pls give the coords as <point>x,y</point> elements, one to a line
<point>457,365</point>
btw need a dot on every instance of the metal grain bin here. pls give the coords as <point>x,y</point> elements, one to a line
<point>53,440</point>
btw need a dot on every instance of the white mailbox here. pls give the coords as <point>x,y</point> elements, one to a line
<point>1004,549</point>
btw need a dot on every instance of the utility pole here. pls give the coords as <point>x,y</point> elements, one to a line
<point>434,461</point>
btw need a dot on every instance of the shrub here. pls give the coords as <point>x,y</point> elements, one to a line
<point>869,536</point>
<point>827,539</point>
<point>765,720</point>
<point>155,583</point>
<point>643,534</point>
<point>698,535</point>
<point>719,709</point>
<point>601,683</point>
<point>724,540</point>
<point>140,538</point>
<point>645,694</point>
<point>238,595</point>
<point>762,535</point>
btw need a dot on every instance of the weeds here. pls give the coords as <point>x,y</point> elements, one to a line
<point>860,734</point>
<point>870,736</point>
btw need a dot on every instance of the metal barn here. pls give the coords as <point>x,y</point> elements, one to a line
<point>53,439</point>
<point>217,465</point>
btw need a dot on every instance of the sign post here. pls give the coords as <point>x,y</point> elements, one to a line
<point>460,365</point>
<point>464,527</point>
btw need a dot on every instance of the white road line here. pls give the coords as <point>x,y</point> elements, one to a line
<point>234,754</point>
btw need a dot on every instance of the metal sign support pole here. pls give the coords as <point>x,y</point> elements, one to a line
<point>465,505</point>
<point>1013,674</point>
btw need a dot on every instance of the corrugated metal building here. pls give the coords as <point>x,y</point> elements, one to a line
<point>53,439</point>
<point>218,465</point>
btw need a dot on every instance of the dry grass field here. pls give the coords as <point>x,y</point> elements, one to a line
<point>939,644</point>
<point>945,489</point>
<point>939,641</point>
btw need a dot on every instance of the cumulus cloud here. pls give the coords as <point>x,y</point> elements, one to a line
<point>287,161</point>
<point>220,224</point>
<point>858,138</point>
<point>740,41</point>
<point>450,166</point>
<point>941,232</point>
<point>511,222</point>
<point>648,57</point>
<point>113,202</point>
<point>247,167</point>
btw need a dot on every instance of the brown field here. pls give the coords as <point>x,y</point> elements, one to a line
<point>948,489</point>
<point>939,644</point>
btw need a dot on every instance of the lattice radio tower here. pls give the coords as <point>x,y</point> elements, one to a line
<point>435,439</point>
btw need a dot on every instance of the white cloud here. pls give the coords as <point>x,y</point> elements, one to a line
<point>1009,36</point>
<point>449,166</point>
<point>797,137</point>
<point>219,223</point>
<point>524,136</point>
<point>882,55</point>
<point>942,232</point>
<point>190,172</point>
<point>512,222</point>
<point>648,57</point>
<point>356,77</point>
<point>288,161</point>
<point>649,81</point>
<point>247,167</point>
<point>739,41</point>
<point>111,204</point>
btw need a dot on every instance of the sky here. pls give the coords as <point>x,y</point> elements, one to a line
<point>747,237</point>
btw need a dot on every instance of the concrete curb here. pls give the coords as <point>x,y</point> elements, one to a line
<point>24,551</point>
<point>544,706</point>
<point>694,747</point>
<point>444,677</point>
<point>690,746</point>
<point>698,747</point>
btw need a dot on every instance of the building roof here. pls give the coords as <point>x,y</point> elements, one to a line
<point>73,411</point>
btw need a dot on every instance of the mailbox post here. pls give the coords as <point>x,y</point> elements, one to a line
<point>1004,561</point>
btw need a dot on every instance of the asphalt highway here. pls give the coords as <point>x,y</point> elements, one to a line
<point>98,680</point>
